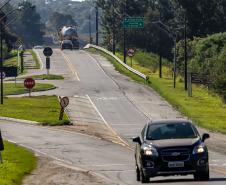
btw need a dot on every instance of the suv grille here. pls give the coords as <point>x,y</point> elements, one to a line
<point>175,154</point>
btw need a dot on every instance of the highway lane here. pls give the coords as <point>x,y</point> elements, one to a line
<point>124,105</point>
<point>110,160</point>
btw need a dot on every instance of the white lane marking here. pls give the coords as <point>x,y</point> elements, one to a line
<point>94,106</point>
<point>213,164</point>
<point>105,165</point>
<point>215,160</point>
<point>71,67</point>
<point>105,122</point>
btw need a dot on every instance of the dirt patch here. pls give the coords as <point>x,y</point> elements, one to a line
<point>50,172</point>
<point>98,130</point>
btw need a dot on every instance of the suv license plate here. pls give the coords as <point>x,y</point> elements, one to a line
<point>176,164</point>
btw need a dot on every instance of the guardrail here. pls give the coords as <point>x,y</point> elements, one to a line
<point>118,60</point>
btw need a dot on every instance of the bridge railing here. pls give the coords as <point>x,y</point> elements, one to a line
<point>118,60</point>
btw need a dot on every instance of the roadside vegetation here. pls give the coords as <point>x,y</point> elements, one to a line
<point>35,58</point>
<point>11,59</point>
<point>206,109</point>
<point>17,163</point>
<point>48,77</point>
<point>42,109</point>
<point>15,89</point>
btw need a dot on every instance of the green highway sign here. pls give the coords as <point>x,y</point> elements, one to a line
<point>133,22</point>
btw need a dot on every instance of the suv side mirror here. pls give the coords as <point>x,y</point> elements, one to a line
<point>205,136</point>
<point>137,140</point>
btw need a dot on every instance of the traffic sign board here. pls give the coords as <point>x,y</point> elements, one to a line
<point>3,75</point>
<point>29,83</point>
<point>48,51</point>
<point>133,22</point>
<point>130,52</point>
<point>64,102</point>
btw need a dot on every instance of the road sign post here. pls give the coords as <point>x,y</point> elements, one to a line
<point>48,53</point>
<point>48,64</point>
<point>29,83</point>
<point>131,53</point>
<point>64,102</point>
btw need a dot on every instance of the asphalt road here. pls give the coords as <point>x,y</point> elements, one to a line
<point>110,160</point>
<point>122,104</point>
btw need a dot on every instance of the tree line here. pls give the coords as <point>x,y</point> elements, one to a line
<point>22,26</point>
<point>167,18</point>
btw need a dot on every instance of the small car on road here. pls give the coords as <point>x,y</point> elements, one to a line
<point>171,147</point>
<point>66,44</point>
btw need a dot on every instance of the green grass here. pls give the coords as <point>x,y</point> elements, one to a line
<point>11,62</point>
<point>48,77</point>
<point>17,163</point>
<point>35,58</point>
<point>205,109</point>
<point>43,109</point>
<point>12,88</point>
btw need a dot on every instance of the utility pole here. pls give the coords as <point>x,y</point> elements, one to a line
<point>174,62</point>
<point>1,59</point>
<point>113,37</point>
<point>160,65</point>
<point>97,25</point>
<point>124,33</point>
<point>90,36</point>
<point>185,55</point>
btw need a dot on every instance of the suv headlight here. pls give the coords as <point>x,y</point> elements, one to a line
<point>199,149</point>
<point>149,150</point>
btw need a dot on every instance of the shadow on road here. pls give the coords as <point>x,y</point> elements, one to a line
<point>187,180</point>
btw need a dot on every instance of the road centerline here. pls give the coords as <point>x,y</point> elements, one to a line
<point>71,66</point>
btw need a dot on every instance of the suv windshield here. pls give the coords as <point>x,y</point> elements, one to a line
<point>170,131</point>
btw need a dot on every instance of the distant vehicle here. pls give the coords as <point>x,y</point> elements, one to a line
<point>66,44</point>
<point>38,47</point>
<point>69,33</point>
<point>171,147</point>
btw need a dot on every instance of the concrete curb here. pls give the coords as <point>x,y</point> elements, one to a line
<point>19,120</point>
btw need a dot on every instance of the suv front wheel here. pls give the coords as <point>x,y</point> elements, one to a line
<point>202,176</point>
<point>143,177</point>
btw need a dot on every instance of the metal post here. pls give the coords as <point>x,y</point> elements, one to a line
<point>113,37</point>
<point>90,40</point>
<point>174,62</point>
<point>160,65</point>
<point>1,62</point>
<point>185,55</point>
<point>97,26</point>
<point>124,34</point>
<point>189,85</point>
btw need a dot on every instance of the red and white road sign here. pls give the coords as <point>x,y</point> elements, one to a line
<point>130,52</point>
<point>29,83</point>
<point>64,102</point>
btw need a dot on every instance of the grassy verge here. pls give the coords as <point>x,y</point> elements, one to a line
<point>48,77</point>
<point>43,109</point>
<point>205,109</point>
<point>35,58</point>
<point>12,88</point>
<point>17,162</point>
<point>11,62</point>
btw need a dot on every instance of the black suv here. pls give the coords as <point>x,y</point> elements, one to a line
<point>171,147</point>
